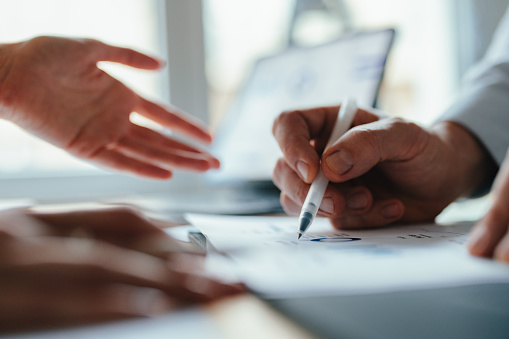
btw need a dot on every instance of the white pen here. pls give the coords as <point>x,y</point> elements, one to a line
<point>316,191</point>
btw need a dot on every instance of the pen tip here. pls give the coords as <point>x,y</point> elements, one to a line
<point>300,235</point>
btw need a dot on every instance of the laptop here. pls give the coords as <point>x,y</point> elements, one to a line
<point>297,78</point>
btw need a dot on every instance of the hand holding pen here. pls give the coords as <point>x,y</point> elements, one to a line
<point>316,191</point>
<point>382,170</point>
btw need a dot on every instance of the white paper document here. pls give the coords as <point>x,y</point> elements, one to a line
<point>266,255</point>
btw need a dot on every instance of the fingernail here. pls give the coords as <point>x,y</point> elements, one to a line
<point>357,201</point>
<point>327,205</point>
<point>340,162</point>
<point>303,169</point>
<point>391,211</point>
<point>479,241</point>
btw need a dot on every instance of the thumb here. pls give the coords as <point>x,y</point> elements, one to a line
<point>364,146</point>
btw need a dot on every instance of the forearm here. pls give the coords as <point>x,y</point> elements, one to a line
<point>472,165</point>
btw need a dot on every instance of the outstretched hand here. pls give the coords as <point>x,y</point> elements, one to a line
<point>53,88</point>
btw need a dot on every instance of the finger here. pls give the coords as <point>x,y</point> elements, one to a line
<point>121,226</point>
<point>113,219</point>
<point>296,190</point>
<point>16,223</point>
<point>295,130</point>
<point>126,56</point>
<point>154,138</point>
<point>364,146</point>
<point>120,162</point>
<point>48,259</point>
<point>381,213</point>
<point>337,199</point>
<point>488,232</point>
<point>171,158</point>
<point>174,120</point>
<point>85,258</point>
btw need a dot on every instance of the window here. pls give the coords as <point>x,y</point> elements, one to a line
<point>237,33</point>
<point>421,77</point>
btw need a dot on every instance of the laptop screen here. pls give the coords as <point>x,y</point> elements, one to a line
<point>295,79</point>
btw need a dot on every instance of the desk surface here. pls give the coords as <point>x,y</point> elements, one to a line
<point>459,312</point>
<point>239,317</point>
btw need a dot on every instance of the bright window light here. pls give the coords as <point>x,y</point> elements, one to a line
<point>421,76</point>
<point>129,23</point>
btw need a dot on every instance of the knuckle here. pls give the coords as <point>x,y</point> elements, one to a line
<point>282,119</point>
<point>399,125</point>
<point>402,126</point>
<point>289,149</point>
<point>369,139</point>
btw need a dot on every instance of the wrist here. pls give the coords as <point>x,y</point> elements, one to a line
<point>471,164</point>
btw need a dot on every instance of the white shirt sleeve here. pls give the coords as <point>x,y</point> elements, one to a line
<point>483,103</point>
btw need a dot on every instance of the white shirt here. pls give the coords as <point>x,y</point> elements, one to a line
<point>483,104</point>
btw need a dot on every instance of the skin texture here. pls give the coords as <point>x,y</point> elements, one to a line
<point>52,88</point>
<point>386,170</point>
<point>92,265</point>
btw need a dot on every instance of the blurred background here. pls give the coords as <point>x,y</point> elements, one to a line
<point>211,46</point>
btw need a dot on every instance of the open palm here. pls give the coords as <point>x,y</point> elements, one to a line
<point>53,88</point>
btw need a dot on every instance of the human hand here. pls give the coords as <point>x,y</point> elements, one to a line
<point>490,236</point>
<point>52,88</point>
<point>78,267</point>
<point>381,171</point>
